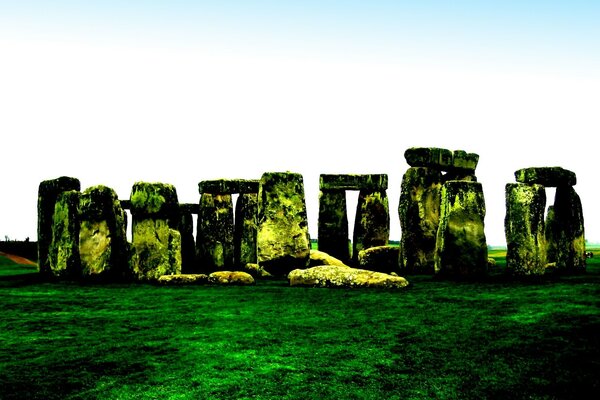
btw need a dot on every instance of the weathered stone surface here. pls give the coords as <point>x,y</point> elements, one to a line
<point>48,192</point>
<point>256,271</point>
<point>188,243</point>
<point>524,229</point>
<point>230,278</point>
<point>380,259</point>
<point>568,231</point>
<point>282,241</point>
<point>371,182</point>
<point>246,229</point>
<point>102,238</point>
<point>461,248</point>
<point>155,200</point>
<point>372,222</point>
<point>183,279</point>
<point>125,204</point>
<point>63,257</point>
<point>336,276</point>
<point>547,176</point>
<point>214,238</point>
<point>228,186</point>
<point>432,157</point>
<point>156,244</point>
<point>419,211</point>
<point>467,162</point>
<point>318,258</point>
<point>551,230</point>
<point>333,224</point>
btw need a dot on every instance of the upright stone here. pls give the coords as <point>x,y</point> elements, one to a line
<point>214,238</point>
<point>461,248</point>
<point>156,243</point>
<point>188,244</point>
<point>246,228</point>
<point>48,192</point>
<point>333,224</point>
<point>282,241</point>
<point>372,222</point>
<point>102,238</point>
<point>551,241</point>
<point>568,231</point>
<point>419,212</point>
<point>525,229</point>
<point>63,254</point>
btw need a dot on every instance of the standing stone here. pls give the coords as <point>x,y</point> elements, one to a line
<point>372,222</point>
<point>48,192</point>
<point>102,237</point>
<point>246,229</point>
<point>214,238</point>
<point>551,241</point>
<point>156,244</point>
<point>461,248</point>
<point>419,212</point>
<point>282,241</point>
<point>568,231</point>
<point>188,244</point>
<point>333,224</point>
<point>63,254</point>
<point>525,229</point>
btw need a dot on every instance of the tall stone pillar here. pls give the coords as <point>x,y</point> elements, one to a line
<point>63,252</point>
<point>372,222</point>
<point>188,244</point>
<point>282,241</point>
<point>461,248</point>
<point>568,231</point>
<point>333,224</point>
<point>214,238</point>
<point>48,192</point>
<point>246,229</point>
<point>525,229</point>
<point>102,238</point>
<point>156,244</point>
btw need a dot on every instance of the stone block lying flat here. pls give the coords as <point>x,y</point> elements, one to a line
<point>189,208</point>
<point>375,182</point>
<point>464,161</point>
<point>546,176</point>
<point>183,279</point>
<point>429,157</point>
<point>336,276</point>
<point>228,186</point>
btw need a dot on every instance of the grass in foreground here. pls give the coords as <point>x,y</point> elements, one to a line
<point>434,340</point>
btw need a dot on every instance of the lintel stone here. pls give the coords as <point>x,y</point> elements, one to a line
<point>546,176</point>
<point>228,186</point>
<point>374,182</point>
<point>432,157</point>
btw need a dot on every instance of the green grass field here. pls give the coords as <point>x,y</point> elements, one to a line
<point>436,339</point>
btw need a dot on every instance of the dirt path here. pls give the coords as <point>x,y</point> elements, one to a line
<point>17,259</point>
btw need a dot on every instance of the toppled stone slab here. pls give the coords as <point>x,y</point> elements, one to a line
<point>230,278</point>
<point>282,240</point>
<point>373,182</point>
<point>432,157</point>
<point>318,258</point>
<point>333,224</point>
<point>183,279</point>
<point>380,259</point>
<point>102,238</point>
<point>256,271</point>
<point>63,252</point>
<point>228,186</point>
<point>546,176</point>
<point>336,276</point>
<point>524,229</point>
<point>48,192</point>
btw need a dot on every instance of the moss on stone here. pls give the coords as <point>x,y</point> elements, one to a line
<point>333,224</point>
<point>63,255</point>
<point>156,250</point>
<point>214,238</point>
<point>156,200</point>
<point>245,229</point>
<point>372,222</point>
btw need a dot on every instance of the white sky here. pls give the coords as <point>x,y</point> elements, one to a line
<point>115,101</point>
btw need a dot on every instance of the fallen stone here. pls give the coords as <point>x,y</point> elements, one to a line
<point>256,271</point>
<point>380,259</point>
<point>318,257</point>
<point>546,176</point>
<point>371,182</point>
<point>524,229</point>
<point>336,276</point>
<point>230,278</point>
<point>183,279</point>
<point>282,240</point>
<point>228,186</point>
<point>48,192</point>
<point>431,157</point>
